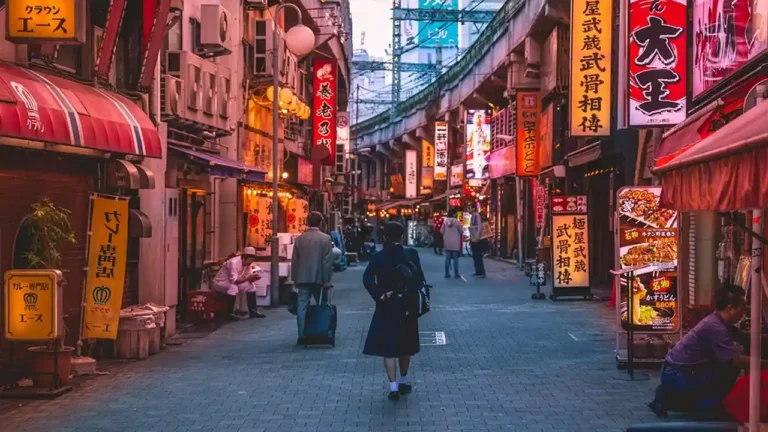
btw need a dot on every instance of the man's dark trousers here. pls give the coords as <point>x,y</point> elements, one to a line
<point>478,249</point>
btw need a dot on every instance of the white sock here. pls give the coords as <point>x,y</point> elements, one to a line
<point>403,380</point>
<point>393,386</point>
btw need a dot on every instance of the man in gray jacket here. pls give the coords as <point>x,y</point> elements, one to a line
<point>311,267</point>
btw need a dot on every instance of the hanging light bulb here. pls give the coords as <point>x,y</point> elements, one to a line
<point>286,95</point>
<point>271,93</point>
<point>293,104</point>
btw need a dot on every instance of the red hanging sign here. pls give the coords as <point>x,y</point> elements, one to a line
<point>657,62</point>
<point>324,107</point>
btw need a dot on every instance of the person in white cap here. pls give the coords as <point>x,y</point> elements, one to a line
<point>238,274</point>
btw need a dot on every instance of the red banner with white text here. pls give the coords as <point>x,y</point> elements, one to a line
<point>324,107</point>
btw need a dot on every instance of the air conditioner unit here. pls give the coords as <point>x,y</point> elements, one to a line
<point>194,81</point>
<point>256,4</point>
<point>225,98</point>
<point>210,92</point>
<point>216,28</point>
<point>171,97</point>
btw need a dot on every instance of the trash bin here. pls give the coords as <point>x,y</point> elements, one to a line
<point>140,331</point>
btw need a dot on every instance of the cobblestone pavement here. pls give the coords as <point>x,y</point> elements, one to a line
<point>508,363</point>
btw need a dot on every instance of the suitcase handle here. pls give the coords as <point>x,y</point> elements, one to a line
<point>329,290</point>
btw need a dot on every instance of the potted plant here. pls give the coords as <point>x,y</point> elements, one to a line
<point>47,228</point>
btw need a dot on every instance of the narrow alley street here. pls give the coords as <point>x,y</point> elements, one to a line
<point>507,363</point>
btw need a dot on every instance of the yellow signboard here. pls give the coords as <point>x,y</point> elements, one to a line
<point>107,256</point>
<point>427,154</point>
<point>570,249</point>
<point>60,21</point>
<point>33,305</point>
<point>590,95</point>
<point>297,213</point>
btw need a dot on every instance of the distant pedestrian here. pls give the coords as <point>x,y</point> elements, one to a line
<point>311,268</point>
<point>238,274</point>
<point>437,234</point>
<point>478,242</point>
<point>452,235</point>
<point>393,334</point>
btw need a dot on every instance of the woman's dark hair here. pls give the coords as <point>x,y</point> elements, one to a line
<point>393,232</point>
<point>729,295</point>
<point>452,213</point>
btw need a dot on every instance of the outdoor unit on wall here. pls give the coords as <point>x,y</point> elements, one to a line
<point>171,97</point>
<point>263,50</point>
<point>225,99</point>
<point>216,28</point>
<point>188,68</point>
<point>210,92</point>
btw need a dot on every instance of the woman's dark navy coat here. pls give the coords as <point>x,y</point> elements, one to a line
<point>391,334</point>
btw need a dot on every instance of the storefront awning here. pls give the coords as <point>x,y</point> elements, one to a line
<point>683,136</point>
<point>46,108</point>
<point>585,154</point>
<point>444,196</point>
<point>220,166</point>
<point>725,171</point>
<point>401,203</point>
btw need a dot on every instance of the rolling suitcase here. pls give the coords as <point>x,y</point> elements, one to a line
<point>320,324</point>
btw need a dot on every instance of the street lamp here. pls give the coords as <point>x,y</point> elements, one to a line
<point>300,40</point>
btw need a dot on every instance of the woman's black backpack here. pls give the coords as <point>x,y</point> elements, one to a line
<point>413,288</point>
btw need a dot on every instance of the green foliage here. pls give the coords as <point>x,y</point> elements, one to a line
<point>48,228</point>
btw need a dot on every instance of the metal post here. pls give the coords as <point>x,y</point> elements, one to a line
<point>756,300</point>
<point>630,325</point>
<point>519,201</point>
<point>275,246</point>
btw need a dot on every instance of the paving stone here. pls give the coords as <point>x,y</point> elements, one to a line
<point>508,364</point>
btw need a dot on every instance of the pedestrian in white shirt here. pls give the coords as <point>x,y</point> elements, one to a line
<point>238,274</point>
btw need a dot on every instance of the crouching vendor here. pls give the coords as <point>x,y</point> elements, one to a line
<point>702,368</point>
<point>238,274</point>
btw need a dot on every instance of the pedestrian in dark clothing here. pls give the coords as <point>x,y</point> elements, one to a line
<point>392,334</point>
<point>703,367</point>
<point>437,234</point>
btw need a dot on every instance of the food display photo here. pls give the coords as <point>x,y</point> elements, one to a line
<point>648,242</point>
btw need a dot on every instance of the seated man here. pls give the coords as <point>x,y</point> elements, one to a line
<point>702,368</point>
<point>237,275</point>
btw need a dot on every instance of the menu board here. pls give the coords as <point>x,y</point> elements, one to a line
<point>648,237</point>
<point>570,242</point>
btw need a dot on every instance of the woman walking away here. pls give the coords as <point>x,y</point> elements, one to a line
<point>452,235</point>
<point>394,333</point>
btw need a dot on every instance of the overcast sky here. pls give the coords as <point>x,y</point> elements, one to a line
<point>373,18</point>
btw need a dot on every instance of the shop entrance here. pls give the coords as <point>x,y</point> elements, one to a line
<point>194,244</point>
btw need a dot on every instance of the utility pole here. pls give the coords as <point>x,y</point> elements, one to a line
<point>357,105</point>
<point>396,52</point>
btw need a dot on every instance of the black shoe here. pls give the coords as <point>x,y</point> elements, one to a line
<point>447,276</point>
<point>253,313</point>
<point>658,409</point>
<point>300,341</point>
<point>480,275</point>
<point>394,396</point>
<point>457,277</point>
<point>233,317</point>
<point>404,388</point>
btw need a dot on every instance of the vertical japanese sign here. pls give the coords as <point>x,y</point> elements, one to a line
<point>296,217</point>
<point>33,305</point>
<point>107,257</point>
<point>411,176</point>
<point>546,136</point>
<point>398,187</point>
<point>457,175</point>
<point>541,199</point>
<point>49,21</point>
<point>324,107</point>
<point>648,238</point>
<point>657,62</point>
<point>528,115</point>
<point>441,151</point>
<point>427,166</point>
<point>478,127</point>
<point>591,87</point>
<point>570,242</point>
